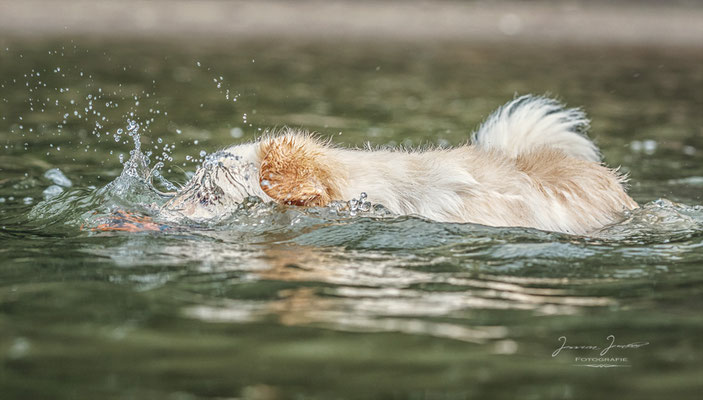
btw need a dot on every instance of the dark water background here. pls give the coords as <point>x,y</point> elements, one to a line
<point>280,302</point>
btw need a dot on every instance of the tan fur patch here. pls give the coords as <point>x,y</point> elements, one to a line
<point>552,169</point>
<point>293,171</point>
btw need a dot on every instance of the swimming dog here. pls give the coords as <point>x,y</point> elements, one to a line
<point>530,164</point>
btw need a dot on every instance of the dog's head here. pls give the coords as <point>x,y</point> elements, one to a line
<point>290,168</point>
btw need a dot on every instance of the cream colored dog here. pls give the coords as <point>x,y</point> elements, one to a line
<point>529,165</point>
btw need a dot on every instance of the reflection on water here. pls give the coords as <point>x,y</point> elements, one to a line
<point>289,302</point>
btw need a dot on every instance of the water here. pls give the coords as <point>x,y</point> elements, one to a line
<point>346,301</point>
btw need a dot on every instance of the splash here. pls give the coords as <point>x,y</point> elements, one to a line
<point>659,221</point>
<point>132,202</point>
<point>86,207</point>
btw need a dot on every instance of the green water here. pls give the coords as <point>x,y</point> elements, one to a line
<point>280,302</point>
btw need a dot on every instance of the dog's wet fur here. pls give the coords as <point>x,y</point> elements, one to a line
<point>530,164</point>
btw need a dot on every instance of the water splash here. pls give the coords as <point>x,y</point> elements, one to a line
<point>660,221</point>
<point>132,190</point>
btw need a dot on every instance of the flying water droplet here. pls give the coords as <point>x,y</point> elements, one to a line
<point>57,177</point>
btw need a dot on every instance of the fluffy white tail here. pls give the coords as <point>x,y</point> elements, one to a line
<point>530,122</point>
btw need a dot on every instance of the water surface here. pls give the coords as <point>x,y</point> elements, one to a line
<point>282,302</point>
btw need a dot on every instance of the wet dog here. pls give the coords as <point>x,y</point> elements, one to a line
<point>530,165</point>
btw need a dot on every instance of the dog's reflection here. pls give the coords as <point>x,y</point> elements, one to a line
<point>335,289</point>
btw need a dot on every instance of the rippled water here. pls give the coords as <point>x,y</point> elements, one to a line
<point>285,302</point>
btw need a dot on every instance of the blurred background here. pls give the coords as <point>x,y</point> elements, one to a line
<point>643,22</point>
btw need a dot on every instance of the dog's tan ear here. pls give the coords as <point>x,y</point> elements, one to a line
<point>293,172</point>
